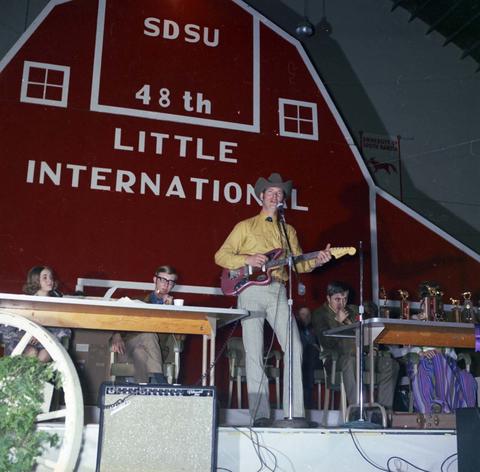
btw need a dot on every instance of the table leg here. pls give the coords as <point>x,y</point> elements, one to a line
<point>204,359</point>
<point>372,371</point>
<point>212,358</point>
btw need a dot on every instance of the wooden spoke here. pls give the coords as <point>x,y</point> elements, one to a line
<point>51,415</point>
<point>20,347</point>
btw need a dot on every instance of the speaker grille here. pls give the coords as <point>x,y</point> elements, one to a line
<point>156,428</point>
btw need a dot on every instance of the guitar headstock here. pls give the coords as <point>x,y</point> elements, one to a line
<point>338,252</point>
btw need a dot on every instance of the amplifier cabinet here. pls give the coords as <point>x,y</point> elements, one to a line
<point>158,428</point>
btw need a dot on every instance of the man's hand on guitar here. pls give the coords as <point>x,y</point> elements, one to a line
<point>256,260</point>
<point>323,256</point>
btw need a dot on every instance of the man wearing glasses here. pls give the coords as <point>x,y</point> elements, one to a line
<point>164,280</point>
<point>143,349</point>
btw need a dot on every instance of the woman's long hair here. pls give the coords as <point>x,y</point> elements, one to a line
<point>32,285</point>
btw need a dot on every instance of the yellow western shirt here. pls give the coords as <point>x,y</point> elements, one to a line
<point>257,235</point>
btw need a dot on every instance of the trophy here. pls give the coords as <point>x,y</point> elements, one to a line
<point>431,305</point>
<point>384,310</point>
<point>455,315</point>
<point>425,303</point>
<point>404,305</point>
<point>468,311</point>
<point>438,313</point>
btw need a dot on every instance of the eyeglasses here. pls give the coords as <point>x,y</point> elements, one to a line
<point>165,281</point>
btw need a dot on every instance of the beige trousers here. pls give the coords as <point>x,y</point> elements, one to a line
<point>143,350</point>
<point>386,373</point>
<point>269,303</point>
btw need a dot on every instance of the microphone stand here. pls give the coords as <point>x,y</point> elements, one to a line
<point>290,421</point>
<point>361,423</point>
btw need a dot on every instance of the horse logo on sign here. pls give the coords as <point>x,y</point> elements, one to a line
<point>377,166</point>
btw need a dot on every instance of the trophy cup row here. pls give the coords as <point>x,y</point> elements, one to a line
<point>431,306</point>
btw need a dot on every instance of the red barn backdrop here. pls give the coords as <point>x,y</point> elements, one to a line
<point>132,135</point>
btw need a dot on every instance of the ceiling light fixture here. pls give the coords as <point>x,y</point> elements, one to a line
<point>305,28</point>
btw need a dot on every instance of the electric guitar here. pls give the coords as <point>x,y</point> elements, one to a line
<point>236,280</point>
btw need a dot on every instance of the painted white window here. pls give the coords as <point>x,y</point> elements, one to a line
<point>298,119</point>
<point>45,84</point>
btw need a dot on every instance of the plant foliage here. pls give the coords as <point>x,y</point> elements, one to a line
<point>21,398</point>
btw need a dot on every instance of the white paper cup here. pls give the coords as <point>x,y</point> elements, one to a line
<point>178,301</point>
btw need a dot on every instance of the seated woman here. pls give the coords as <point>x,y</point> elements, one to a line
<point>41,282</point>
<point>438,384</point>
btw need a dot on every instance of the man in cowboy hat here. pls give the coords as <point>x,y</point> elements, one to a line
<point>246,246</point>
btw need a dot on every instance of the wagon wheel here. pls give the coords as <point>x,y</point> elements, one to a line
<point>72,414</point>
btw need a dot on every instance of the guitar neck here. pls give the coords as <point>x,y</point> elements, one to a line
<point>335,251</point>
<point>300,258</point>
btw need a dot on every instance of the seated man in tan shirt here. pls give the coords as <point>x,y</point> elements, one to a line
<point>143,349</point>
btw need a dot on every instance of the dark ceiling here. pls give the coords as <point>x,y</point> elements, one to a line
<point>458,21</point>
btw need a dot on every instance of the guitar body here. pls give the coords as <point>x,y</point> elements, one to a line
<point>233,281</point>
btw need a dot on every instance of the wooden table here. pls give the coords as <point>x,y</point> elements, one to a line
<point>406,332</point>
<point>410,332</point>
<point>126,315</point>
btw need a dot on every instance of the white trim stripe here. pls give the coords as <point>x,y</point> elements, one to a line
<point>96,106</point>
<point>29,31</point>
<point>97,58</point>
<point>374,245</point>
<point>428,224</point>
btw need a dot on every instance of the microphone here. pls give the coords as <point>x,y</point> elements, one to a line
<point>281,211</point>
